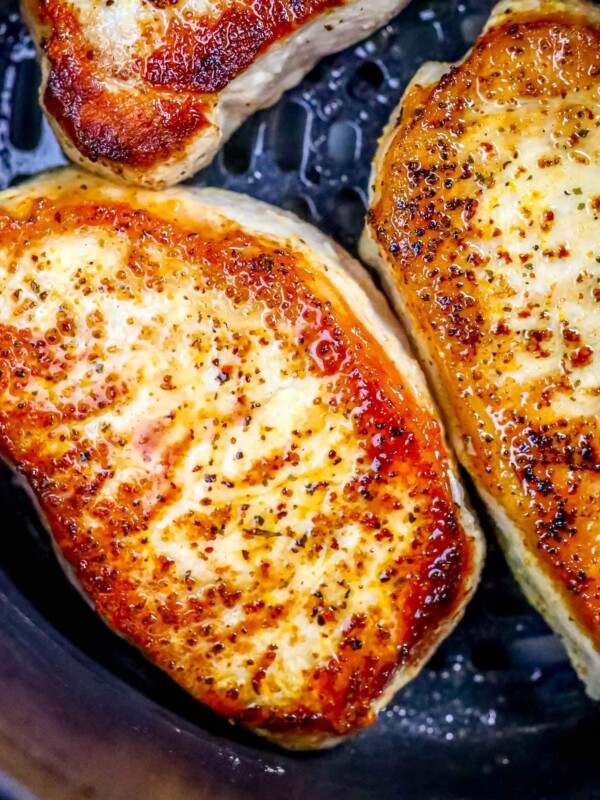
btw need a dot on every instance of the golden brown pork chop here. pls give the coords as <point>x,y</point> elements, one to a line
<point>485,220</point>
<point>147,90</point>
<point>232,448</point>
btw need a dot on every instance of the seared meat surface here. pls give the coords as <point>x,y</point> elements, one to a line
<point>485,220</point>
<point>147,90</point>
<point>236,456</point>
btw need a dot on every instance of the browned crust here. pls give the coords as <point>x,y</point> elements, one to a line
<point>171,90</point>
<point>403,445</point>
<point>544,472</point>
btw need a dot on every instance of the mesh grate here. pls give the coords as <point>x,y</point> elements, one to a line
<point>502,671</point>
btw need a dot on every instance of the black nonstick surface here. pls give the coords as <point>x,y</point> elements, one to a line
<point>498,712</point>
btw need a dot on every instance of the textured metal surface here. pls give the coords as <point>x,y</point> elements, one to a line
<point>497,713</point>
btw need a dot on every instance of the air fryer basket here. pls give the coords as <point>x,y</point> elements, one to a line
<point>498,712</point>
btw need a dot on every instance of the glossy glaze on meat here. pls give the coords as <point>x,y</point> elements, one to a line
<point>147,89</point>
<point>485,218</point>
<point>233,450</point>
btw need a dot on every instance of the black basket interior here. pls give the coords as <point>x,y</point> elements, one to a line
<point>499,709</point>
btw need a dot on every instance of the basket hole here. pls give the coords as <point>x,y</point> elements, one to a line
<point>367,79</point>
<point>370,73</point>
<point>289,136</point>
<point>237,152</point>
<point>489,654</point>
<point>299,206</point>
<point>342,143</point>
<point>25,127</point>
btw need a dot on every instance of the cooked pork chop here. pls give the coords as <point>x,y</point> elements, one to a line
<point>147,90</point>
<point>232,448</point>
<point>485,223</point>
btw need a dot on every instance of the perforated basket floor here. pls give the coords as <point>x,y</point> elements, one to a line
<point>498,712</point>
